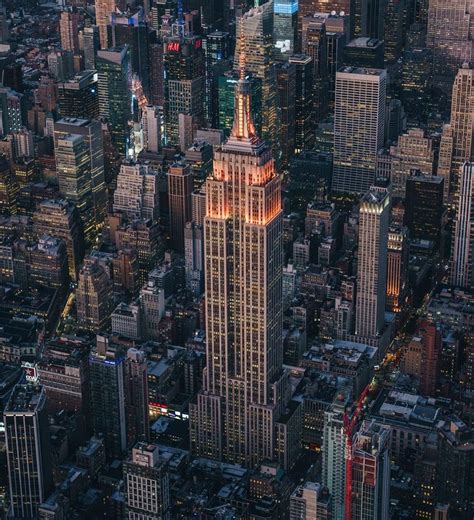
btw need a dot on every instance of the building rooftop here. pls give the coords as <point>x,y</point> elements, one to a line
<point>25,398</point>
<point>365,43</point>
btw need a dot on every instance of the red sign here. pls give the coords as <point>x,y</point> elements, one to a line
<point>173,46</point>
<point>198,44</point>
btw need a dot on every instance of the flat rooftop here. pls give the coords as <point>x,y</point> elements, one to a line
<point>25,398</point>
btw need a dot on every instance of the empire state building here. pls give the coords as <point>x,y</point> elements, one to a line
<point>244,388</point>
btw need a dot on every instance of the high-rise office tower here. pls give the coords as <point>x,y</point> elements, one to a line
<point>334,448</point>
<point>27,450</point>
<point>310,501</point>
<point>455,458</point>
<point>131,29</point>
<point>49,263</point>
<point>397,268</point>
<point>60,219</point>
<point>151,124</point>
<point>286,78</point>
<point>184,79</point>
<point>304,123</point>
<point>108,396</point>
<point>157,77</point>
<point>91,132</point>
<point>431,337</point>
<point>364,52</point>
<point>461,124</point>
<point>359,122</point>
<point>94,296</point>
<point>8,187</point>
<point>72,164</point>
<point>217,51</point>
<point>152,302</point>
<point>337,34</point>
<point>236,412</point>
<point>256,26</point>
<point>374,214</point>
<point>371,471</point>
<point>146,483</point>
<point>103,10</point>
<point>180,187</point>
<point>23,143</point>
<point>137,194</point>
<point>194,258</point>
<point>424,208</point>
<point>285,27</point>
<point>12,108</point>
<point>79,96</point>
<point>314,44</point>
<point>310,7</point>
<point>136,396</point>
<point>69,30</point>
<point>91,44</point>
<point>414,151</point>
<point>462,258</point>
<point>61,64</point>
<point>115,98</point>
<point>449,33</point>
<point>445,159</point>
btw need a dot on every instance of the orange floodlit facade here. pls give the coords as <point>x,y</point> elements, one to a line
<point>235,416</point>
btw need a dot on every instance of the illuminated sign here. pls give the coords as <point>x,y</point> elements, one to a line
<point>173,46</point>
<point>288,7</point>
<point>157,409</point>
<point>198,44</point>
<point>30,372</point>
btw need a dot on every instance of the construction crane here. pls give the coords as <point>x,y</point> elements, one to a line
<point>349,425</point>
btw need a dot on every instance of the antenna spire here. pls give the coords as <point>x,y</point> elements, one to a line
<point>242,54</point>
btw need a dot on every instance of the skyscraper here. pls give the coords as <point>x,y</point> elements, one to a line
<point>449,33</point>
<point>136,195</point>
<point>397,268</point>
<point>359,121</point>
<point>146,483</point>
<point>237,410</point>
<point>8,187</point>
<point>286,77</point>
<point>256,26</point>
<point>304,124</point>
<point>79,97</point>
<point>371,471</point>
<point>72,163</point>
<point>180,187</point>
<point>314,44</point>
<point>108,396</point>
<point>27,450</point>
<point>60,218</point>
<point>69,30</point>
<point>91,132</point>
<point>151,124</point>
<point>115,98</point>
<point>334,446</point>
<point>424,207</point>
<point>184,79</point>
<point>374,213</point>
<point>103,10</point>
<point>462,258</point>
<point>461,124</point>
<point>285,24</point>
<point>91,43</point>
<point>93,296</point>
<point>413,151</point>
<point>136,396</point>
